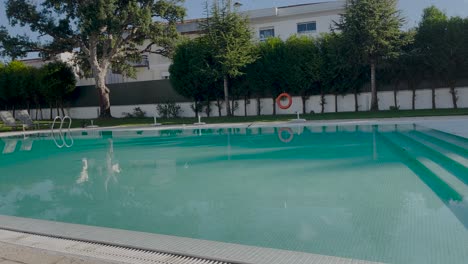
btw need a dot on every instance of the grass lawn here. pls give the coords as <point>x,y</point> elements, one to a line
<point>267,118</point>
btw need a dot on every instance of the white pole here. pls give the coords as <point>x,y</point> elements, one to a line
<point>298,119</point>
<point>156,121</point>
<point>199,121</point>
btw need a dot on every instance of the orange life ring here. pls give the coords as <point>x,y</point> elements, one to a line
<point>290,132</point>
<point>278,101</point>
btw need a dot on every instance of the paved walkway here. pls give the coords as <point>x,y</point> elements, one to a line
<point>15,254</point>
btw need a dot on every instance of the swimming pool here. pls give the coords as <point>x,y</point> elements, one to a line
<point>381,193</point>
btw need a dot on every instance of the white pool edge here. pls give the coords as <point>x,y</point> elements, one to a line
<point>448,124</point>
<point>195,248</point>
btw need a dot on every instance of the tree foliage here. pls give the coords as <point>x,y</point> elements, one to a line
<point>229,37</point>
<point>102,34</point>
<point>442,45</point>
<point>302,71</point>
<point>373,27</point>
<point>397,69</point>
<point>22,86</point>
<point>192,72</point>
<point>13,83</point>
<point>57,82</point>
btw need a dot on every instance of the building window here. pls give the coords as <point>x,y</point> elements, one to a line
<point>266,33</point>
<point>308,27</point>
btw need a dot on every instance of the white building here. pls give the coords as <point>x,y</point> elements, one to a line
<point>310,19</point>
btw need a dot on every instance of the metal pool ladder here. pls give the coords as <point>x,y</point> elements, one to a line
<point>62,138</point>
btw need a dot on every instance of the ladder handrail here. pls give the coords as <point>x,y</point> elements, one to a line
<point>55,120</point>
<point>62,137</point>
<point>69,132</point>
<point>60,132</point>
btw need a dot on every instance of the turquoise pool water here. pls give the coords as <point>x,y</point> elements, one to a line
<point>380,193</point>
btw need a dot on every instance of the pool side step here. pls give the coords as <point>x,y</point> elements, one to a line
<point>459,158</point>
<point>448,160</point>
<point>444,184</point>
<point>405,150</point>
<point>451,138</point>
<point>446,176</point>
<point>456,147</point>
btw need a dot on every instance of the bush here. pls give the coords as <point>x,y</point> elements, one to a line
<point>137,113</point>
<point>169,110</point>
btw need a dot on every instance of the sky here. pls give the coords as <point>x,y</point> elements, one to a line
<point>412,9</point>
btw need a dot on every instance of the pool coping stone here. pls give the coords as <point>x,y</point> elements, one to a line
<point>197,248</point>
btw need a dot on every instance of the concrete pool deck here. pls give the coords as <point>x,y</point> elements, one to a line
<point>35,241</point>
<point>88,243</point>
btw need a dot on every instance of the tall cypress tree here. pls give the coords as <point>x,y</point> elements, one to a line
<point>373,28</point>
<point>230,39</point>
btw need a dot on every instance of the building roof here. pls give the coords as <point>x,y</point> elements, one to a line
<point>292,10</point>
<point>306,4</point>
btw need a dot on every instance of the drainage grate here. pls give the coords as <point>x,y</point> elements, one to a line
<point>97,251</point>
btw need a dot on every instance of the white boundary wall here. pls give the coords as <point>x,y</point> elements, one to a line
<point>345,104</point>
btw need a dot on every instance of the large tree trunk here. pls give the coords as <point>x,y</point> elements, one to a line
<point>356,102</point>
<point>104,102</point>
<point>374,99</point>
<point>454,95</point>
<point>103,91</point>
<point>51,109</point>
<point>99,67</point>
<point>226,96</point>
<point>433,96</point>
